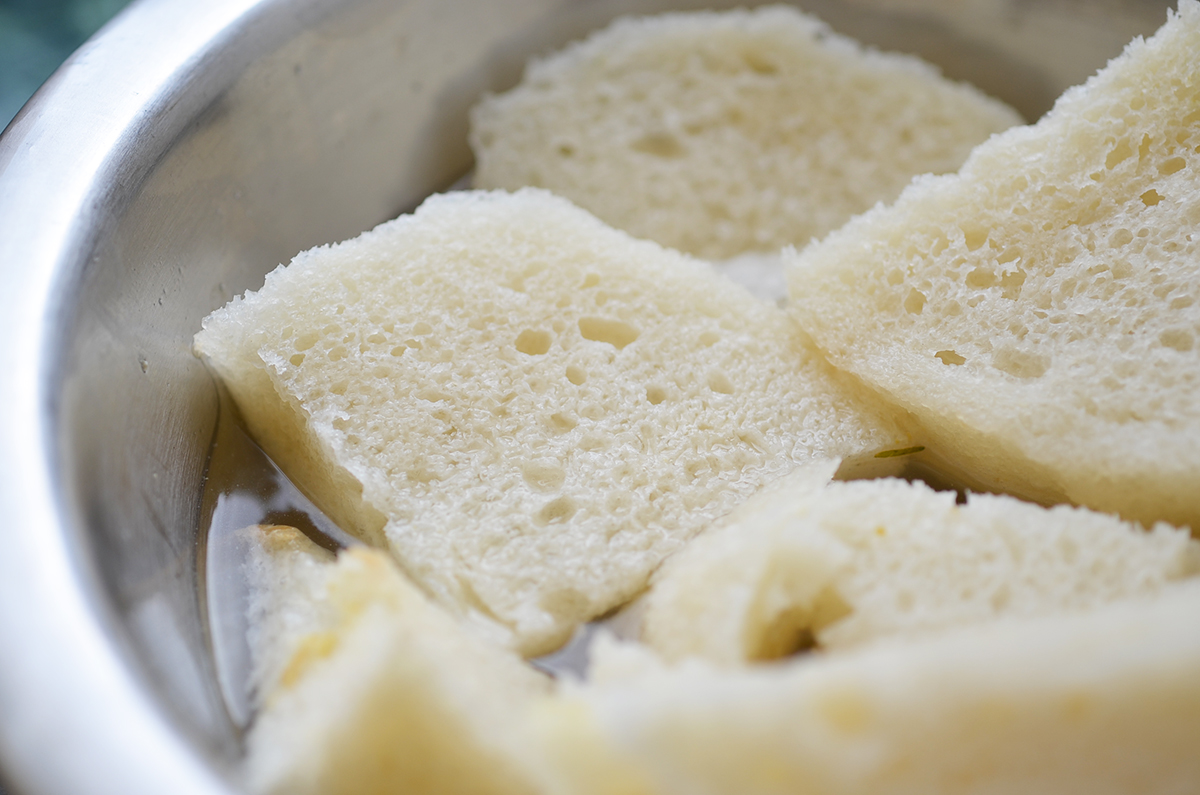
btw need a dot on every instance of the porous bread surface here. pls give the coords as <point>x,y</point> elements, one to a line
<point>1105,702</point>
<point>857,562</point>
<point>537,408</point>
<point>1039,311</point>
<point>722,133</point>
<point>394,695</point>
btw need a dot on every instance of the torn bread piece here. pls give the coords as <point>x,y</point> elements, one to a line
<point>800,565</point>
<point>385,692</point>
<point>1102,702</point>
<point>721,133</point>
<point>286,577</point>
<point>1039,311</point>
<point>530,409</point>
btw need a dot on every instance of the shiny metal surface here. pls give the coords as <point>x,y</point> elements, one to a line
<point>181,154</point>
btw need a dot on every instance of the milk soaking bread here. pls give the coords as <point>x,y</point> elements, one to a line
<point>385,692</point>
<point>1103,702</point>
<point>722,133</point>
<point>1039,311</point>
<point>855,562</point>
<point>532,410</point>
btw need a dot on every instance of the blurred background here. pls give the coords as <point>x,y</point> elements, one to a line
<point>38,35</point>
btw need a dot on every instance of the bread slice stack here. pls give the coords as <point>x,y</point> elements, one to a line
<point>724,133</point>
<point>529,408</point>
<point>380,691</point>
<point>855,563</point>
<point>1039,311</point>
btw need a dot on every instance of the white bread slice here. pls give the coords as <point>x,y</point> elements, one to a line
<point>532,410</point>
<point>391,695</point>
<point>856,562</point>
<point>1105,702</point>
<point>723,133</point>
<point>1039,312</point>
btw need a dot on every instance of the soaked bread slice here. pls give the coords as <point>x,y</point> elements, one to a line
<point>724,133</point>
<point>382,691</point>
<point>857,562</point>
<point>287,578</point>
<point>1102,701</point>
<point>1039,311</point>
<point>529,408</point>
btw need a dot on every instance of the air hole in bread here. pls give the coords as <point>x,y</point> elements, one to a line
<point>562,423</point>
<point>660,144</point>
<point>1120,237</point>
<point>533,342</point>
<point>1182,302</point>
<point>656,395</point>
<point>1121,152</point>
<point>1019,363</point>
<point>297,359</point>
<point>1178,339</point>
<point>557,511</point>
<point>759,64</point>
<point>543,475</point>
<point>981,278</point>
<point>1010,255</point>
<point>1011,282</point>
<point>576,375</point>
<point>793,631</point>
<point>974,236</point>
<point>614,332</point>
<point>1000,598</point>
<point>915,302</point>
<point>719,382</point>
<point>950,357</point>
<point>1171,165</point>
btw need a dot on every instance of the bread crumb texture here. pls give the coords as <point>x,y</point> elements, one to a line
<point>1104,701</point>
<point>535,409</point>
<point>1039,311</point>
<point>858,562</point>
<point>386,692</point>
<point>723,133</point>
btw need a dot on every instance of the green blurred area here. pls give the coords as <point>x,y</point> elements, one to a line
<point>38,35</point>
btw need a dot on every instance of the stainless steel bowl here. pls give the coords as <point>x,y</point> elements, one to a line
<point>177,157</point>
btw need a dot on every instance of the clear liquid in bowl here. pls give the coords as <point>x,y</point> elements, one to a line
<point>244,487</point>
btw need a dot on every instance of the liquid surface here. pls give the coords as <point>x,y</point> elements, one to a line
<point>244,487</point>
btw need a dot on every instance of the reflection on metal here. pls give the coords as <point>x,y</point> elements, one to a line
<point>243,487</point>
